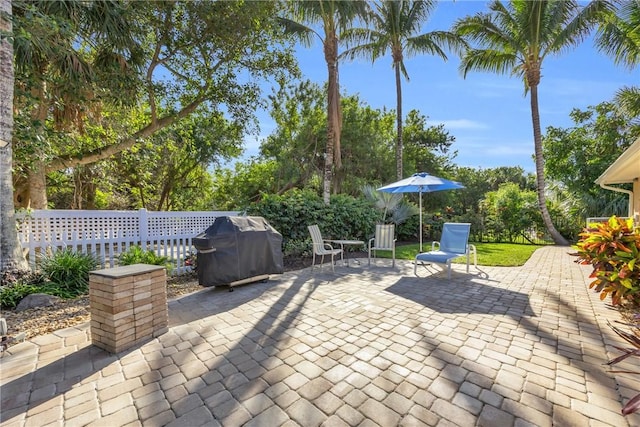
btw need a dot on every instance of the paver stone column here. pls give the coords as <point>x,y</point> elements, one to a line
<point>128,305</point>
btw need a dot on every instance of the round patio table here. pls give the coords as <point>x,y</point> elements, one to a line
<point>342,243</point>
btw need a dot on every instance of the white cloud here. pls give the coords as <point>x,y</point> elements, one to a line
<point>457,124</point>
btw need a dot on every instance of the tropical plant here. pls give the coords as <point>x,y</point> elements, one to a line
<point>510,212</point>
<point>138,255</point>
<point>618,36</point>
<point>612,248</point>
<point>11,256</point>
<point>11,295</point>
<point>334,16</point>
<point>395,28</point>
<point>68,271</point>
<point>291,212</point>
<point>633,405</point>
<point>569,152</point>
<point>393,208</point>
<point>515,39</point>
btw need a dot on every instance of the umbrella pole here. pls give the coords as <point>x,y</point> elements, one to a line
<point>420,230</point>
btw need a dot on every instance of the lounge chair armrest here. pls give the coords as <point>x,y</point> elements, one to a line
<point>434,244</point>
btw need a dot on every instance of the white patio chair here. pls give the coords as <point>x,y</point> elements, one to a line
<point>453,243</point>
<point>321,248</point>
<point>384,240</point>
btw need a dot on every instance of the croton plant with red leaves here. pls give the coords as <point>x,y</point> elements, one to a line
<point>613,249</point>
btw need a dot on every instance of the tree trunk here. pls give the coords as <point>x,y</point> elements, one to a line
<point>399,147</point>
<point>332,152</point>
<point>37,180</point>
<point>36,189</point>
<point>11,256</point>
<point>542,198</point>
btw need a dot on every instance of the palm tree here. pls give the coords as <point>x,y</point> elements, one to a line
<point>618,36</point>
<point>395,27</point>
<point>333,16</point>
<point>515,39</point>
<point>10,252</point>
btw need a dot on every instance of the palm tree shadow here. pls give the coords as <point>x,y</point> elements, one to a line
<point>458,296</point>
<point>433,270</point>
<point>35,388</point>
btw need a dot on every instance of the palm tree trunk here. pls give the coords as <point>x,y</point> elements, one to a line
<point>333,115</point>
<point>542,198</point>
<point>399,147</point>
<point>11,256</point>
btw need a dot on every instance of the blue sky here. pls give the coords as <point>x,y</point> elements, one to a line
<point>488,114</point>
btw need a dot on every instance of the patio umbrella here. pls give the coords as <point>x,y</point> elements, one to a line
<point>420,182</point>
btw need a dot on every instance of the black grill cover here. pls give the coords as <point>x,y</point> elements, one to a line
<point>237,248</point>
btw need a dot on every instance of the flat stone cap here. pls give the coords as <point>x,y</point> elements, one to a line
<point>127,270</point>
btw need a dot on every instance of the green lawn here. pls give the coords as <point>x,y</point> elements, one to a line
<point>489,254</point>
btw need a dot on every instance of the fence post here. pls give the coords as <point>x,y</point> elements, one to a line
<point>143,227</point>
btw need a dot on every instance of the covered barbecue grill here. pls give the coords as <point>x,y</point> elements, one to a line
<point>238,249</point>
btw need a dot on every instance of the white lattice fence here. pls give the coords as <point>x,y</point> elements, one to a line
<point>109,233</point>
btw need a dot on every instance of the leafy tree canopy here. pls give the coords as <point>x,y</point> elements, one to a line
<point>190,56</point>
<point>578,155</point>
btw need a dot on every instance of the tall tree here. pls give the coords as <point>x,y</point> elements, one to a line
<point>604,129</point>
<point>515,39</point>
<point>196,55</point>
<point>10,251</point>
<point>618,36</point>
<point>68,56</point>
<point>333,16</point>
<point>395,28</point>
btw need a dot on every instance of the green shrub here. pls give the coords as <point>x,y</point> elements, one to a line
<point>290,213</point>
<point>68,272</point>
<point>11,295</point>
<point>612,248</point>
<point>137,255</point>
<point>297,248</point>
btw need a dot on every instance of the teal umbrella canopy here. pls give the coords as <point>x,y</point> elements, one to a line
<point>420,182</point>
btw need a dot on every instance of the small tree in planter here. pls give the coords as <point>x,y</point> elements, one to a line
<point>613,249</point>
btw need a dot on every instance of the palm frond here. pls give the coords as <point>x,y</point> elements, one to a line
<point>628,97</point>
<point>432,43</point>
<point>482,30</point>
<point>417,14</point>
<point>618,34</point>
<point>370,50</point>
<point>499,62</point>
<point>303,33</point>
<point>578,23</point>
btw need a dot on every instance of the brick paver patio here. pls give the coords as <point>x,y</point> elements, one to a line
<point>366,346</point>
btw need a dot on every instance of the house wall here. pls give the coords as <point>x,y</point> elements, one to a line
<point>636,200</point>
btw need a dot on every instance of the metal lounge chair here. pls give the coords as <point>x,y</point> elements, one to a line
<point>384,240</point>
<point>321,248</point>
<point>453,243</point>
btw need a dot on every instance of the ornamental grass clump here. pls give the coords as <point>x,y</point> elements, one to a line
<point>613,249</point>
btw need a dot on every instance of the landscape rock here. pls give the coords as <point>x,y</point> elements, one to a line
<point>36,300</point>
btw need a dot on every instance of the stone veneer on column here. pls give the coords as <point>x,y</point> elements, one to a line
<point>128,305</point>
